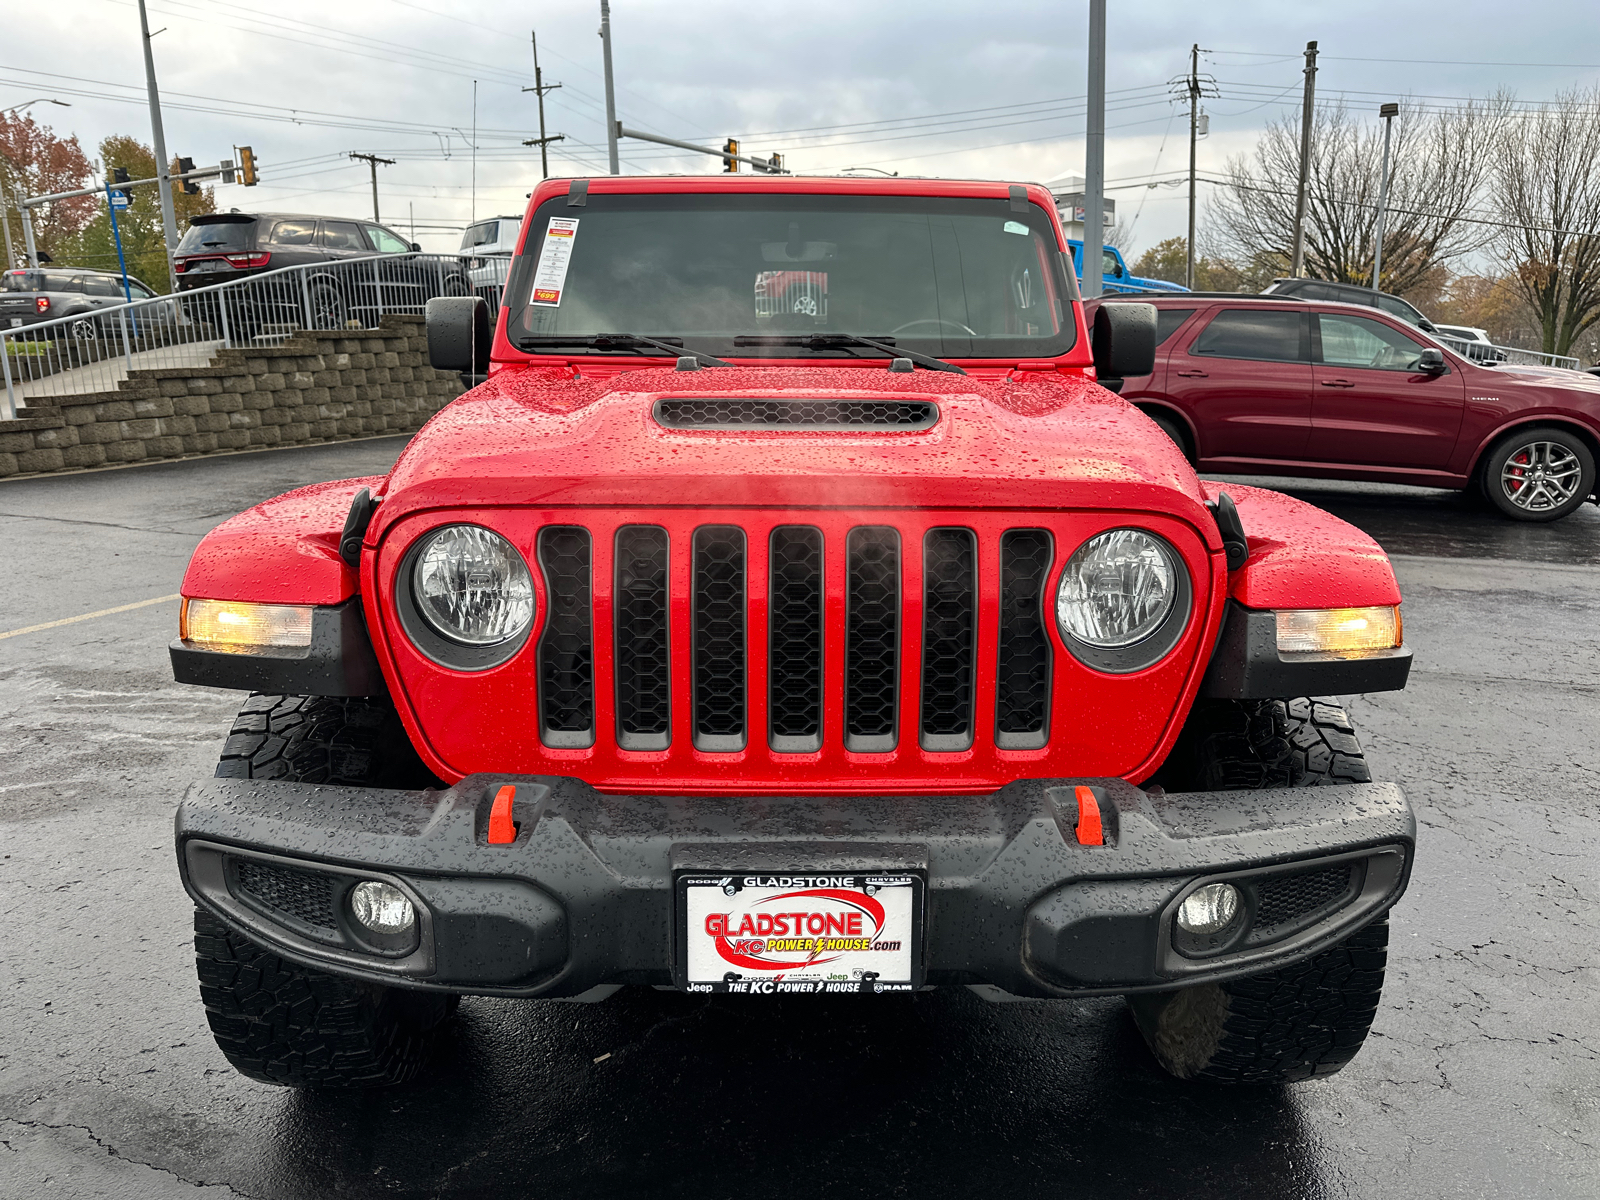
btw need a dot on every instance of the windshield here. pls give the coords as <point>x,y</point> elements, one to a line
<point>754,275</point>
<point>221,236</point>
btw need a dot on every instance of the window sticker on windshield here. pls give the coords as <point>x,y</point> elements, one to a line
<point>1016,227</point>
<point>554,257</point>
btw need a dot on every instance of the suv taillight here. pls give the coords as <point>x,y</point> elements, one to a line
<point>41,304</point>
<point>249,260</point>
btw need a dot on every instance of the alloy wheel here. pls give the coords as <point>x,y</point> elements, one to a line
<point>1541,476</point>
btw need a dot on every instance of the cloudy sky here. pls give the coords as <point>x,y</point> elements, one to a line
<point>930,88</point>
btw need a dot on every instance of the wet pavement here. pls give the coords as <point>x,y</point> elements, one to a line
<point>1481,1078</point>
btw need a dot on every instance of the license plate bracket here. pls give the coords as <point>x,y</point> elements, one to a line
<point>859,932</point>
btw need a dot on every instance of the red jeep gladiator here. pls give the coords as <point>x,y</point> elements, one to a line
<point>738,647</point>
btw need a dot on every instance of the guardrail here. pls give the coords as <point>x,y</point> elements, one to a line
<point>93,351</point>
<point>1489,354</point>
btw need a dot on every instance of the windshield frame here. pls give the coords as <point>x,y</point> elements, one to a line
<point>1060,286</point>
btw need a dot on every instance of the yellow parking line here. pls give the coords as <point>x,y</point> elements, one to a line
<point>104,612</point>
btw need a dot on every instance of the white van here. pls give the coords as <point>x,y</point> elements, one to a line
<point>490,244</point>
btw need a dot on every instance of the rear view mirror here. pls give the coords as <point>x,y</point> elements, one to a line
<point>460,334</point>
<point>1124,341</point>
<point>1431,361</point>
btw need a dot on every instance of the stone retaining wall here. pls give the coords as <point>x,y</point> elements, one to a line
<point>318,386</point>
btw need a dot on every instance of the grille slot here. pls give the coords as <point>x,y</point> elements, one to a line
<point>1022,686</point>
<point>872,638</point>
<point>1285,901</point>
<point>735,412</point>
<point>566,649</point>
<point>794,661</point>
<point>949,637</point>
<point>644,688</point>
<point>719,638</point>
<point>305,896</point>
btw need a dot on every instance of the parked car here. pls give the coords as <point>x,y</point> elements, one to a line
<point>490,245</point>
<point>1349,293</point>
<point>1115,274</point>
<point>222,247</point>
<point>1335,391</point>
<point>33,296</point>
<point>889,652</point>
<point>1475,343</point>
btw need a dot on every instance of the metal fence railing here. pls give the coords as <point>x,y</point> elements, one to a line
<point>93,351</point>
<point>1491,355</point>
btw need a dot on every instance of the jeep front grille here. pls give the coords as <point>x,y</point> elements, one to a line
<point>851,598</point>
<point>733,412</point>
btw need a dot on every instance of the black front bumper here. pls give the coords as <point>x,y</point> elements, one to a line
<point>584,896</point>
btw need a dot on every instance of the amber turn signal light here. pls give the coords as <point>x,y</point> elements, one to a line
<point>232,625</point>
<point>1352,631</point>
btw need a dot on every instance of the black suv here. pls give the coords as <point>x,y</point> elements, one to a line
<point>35,295</point>
<point>223,247</point>
<point>1349,293</point>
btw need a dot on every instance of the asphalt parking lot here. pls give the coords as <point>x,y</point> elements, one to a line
<point>1481,1077</point>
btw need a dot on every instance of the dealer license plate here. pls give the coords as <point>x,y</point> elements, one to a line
<point>208,267</point>
<point>801,932</point>
<point>15,322</point>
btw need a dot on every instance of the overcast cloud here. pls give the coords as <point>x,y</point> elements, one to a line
<point>305,83</point>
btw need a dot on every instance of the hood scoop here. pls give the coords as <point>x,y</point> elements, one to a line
<point>794,412</point>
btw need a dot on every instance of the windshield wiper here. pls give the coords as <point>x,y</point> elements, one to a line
<point>816,341</point>
<point>626,341</point>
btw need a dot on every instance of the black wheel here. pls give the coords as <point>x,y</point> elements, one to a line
<point>1174,429</point>
<point>1302,1022</point>
<point>328,307</point>
<point>801,301</point>
<point>285,1024</point>
<point>457,285</point>
<point>1538,474</point>
<point>277,1021</point>
<point>1305,1020</point>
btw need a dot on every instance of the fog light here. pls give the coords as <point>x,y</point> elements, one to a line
<point>382,907</point>
<point>1209,909</point>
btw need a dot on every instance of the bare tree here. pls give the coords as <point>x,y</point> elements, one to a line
<point>1437,171</point>
<point>1547,191</point>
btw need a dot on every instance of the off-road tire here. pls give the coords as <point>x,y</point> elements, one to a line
<point>1492,488</point>
<point>1232,744</point>
<point>1302,1022</point>
<point>353,740</point>
<point>289,1025</point>
<point>274,1020</point>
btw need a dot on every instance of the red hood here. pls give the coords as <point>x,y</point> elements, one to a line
<point>1029,439</point>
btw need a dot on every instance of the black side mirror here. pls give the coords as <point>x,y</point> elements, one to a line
<point>417,247</point>
<point>1124,341</point>
<point>1427,326</point>
<point>1431,361</point>
<point>460,334</point>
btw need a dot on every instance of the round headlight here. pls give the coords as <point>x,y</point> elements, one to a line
<point>1117,588</point>
<point>472,586</point>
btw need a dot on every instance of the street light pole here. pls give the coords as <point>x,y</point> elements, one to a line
<point>7,185</point>
<point>169,216</point>
<point>1094,172</point>
<point>1297,255</point>
<point>611,93</point>
<point>1388,112</point>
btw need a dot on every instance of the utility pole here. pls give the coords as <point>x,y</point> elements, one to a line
<point>611,92</point>
<point>1297,256</point>
<point>1194,130</point>
<point>1094,172</point>
<point>372,161</point>
<point>1388,112</point>
<point>158,139</point>
<point>542,141</point>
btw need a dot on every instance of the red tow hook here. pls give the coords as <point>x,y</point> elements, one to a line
<point>502,829</point>
<point>1090,831</point>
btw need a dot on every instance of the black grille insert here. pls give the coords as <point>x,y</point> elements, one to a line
<point>872,638</point>
<point>794,663</point>
<point>1285,901</point>
<point>719,638</point>
<point>566,649</point>
<point>949,637</point>
<point>644,686</point>
<point>736,412</point>
<point>1022,685</point>
<point>306,896</point>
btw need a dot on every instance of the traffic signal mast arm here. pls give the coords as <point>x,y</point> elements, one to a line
<point>98,189</point>
<point>760,164</point>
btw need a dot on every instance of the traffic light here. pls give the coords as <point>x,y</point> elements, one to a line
<point>730,148</point>
<point>119,175</point>
<point>774,165</point>
<point>227,170</point>
<point>191,186</point>
<point>247,166</point>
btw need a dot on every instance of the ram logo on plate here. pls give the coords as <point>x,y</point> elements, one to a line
<point>800,933</point>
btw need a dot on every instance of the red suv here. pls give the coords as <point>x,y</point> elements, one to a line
<point>1250,384</point>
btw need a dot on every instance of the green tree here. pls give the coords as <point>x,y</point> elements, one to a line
<point>1212,272</point>
<point>143,243</point>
